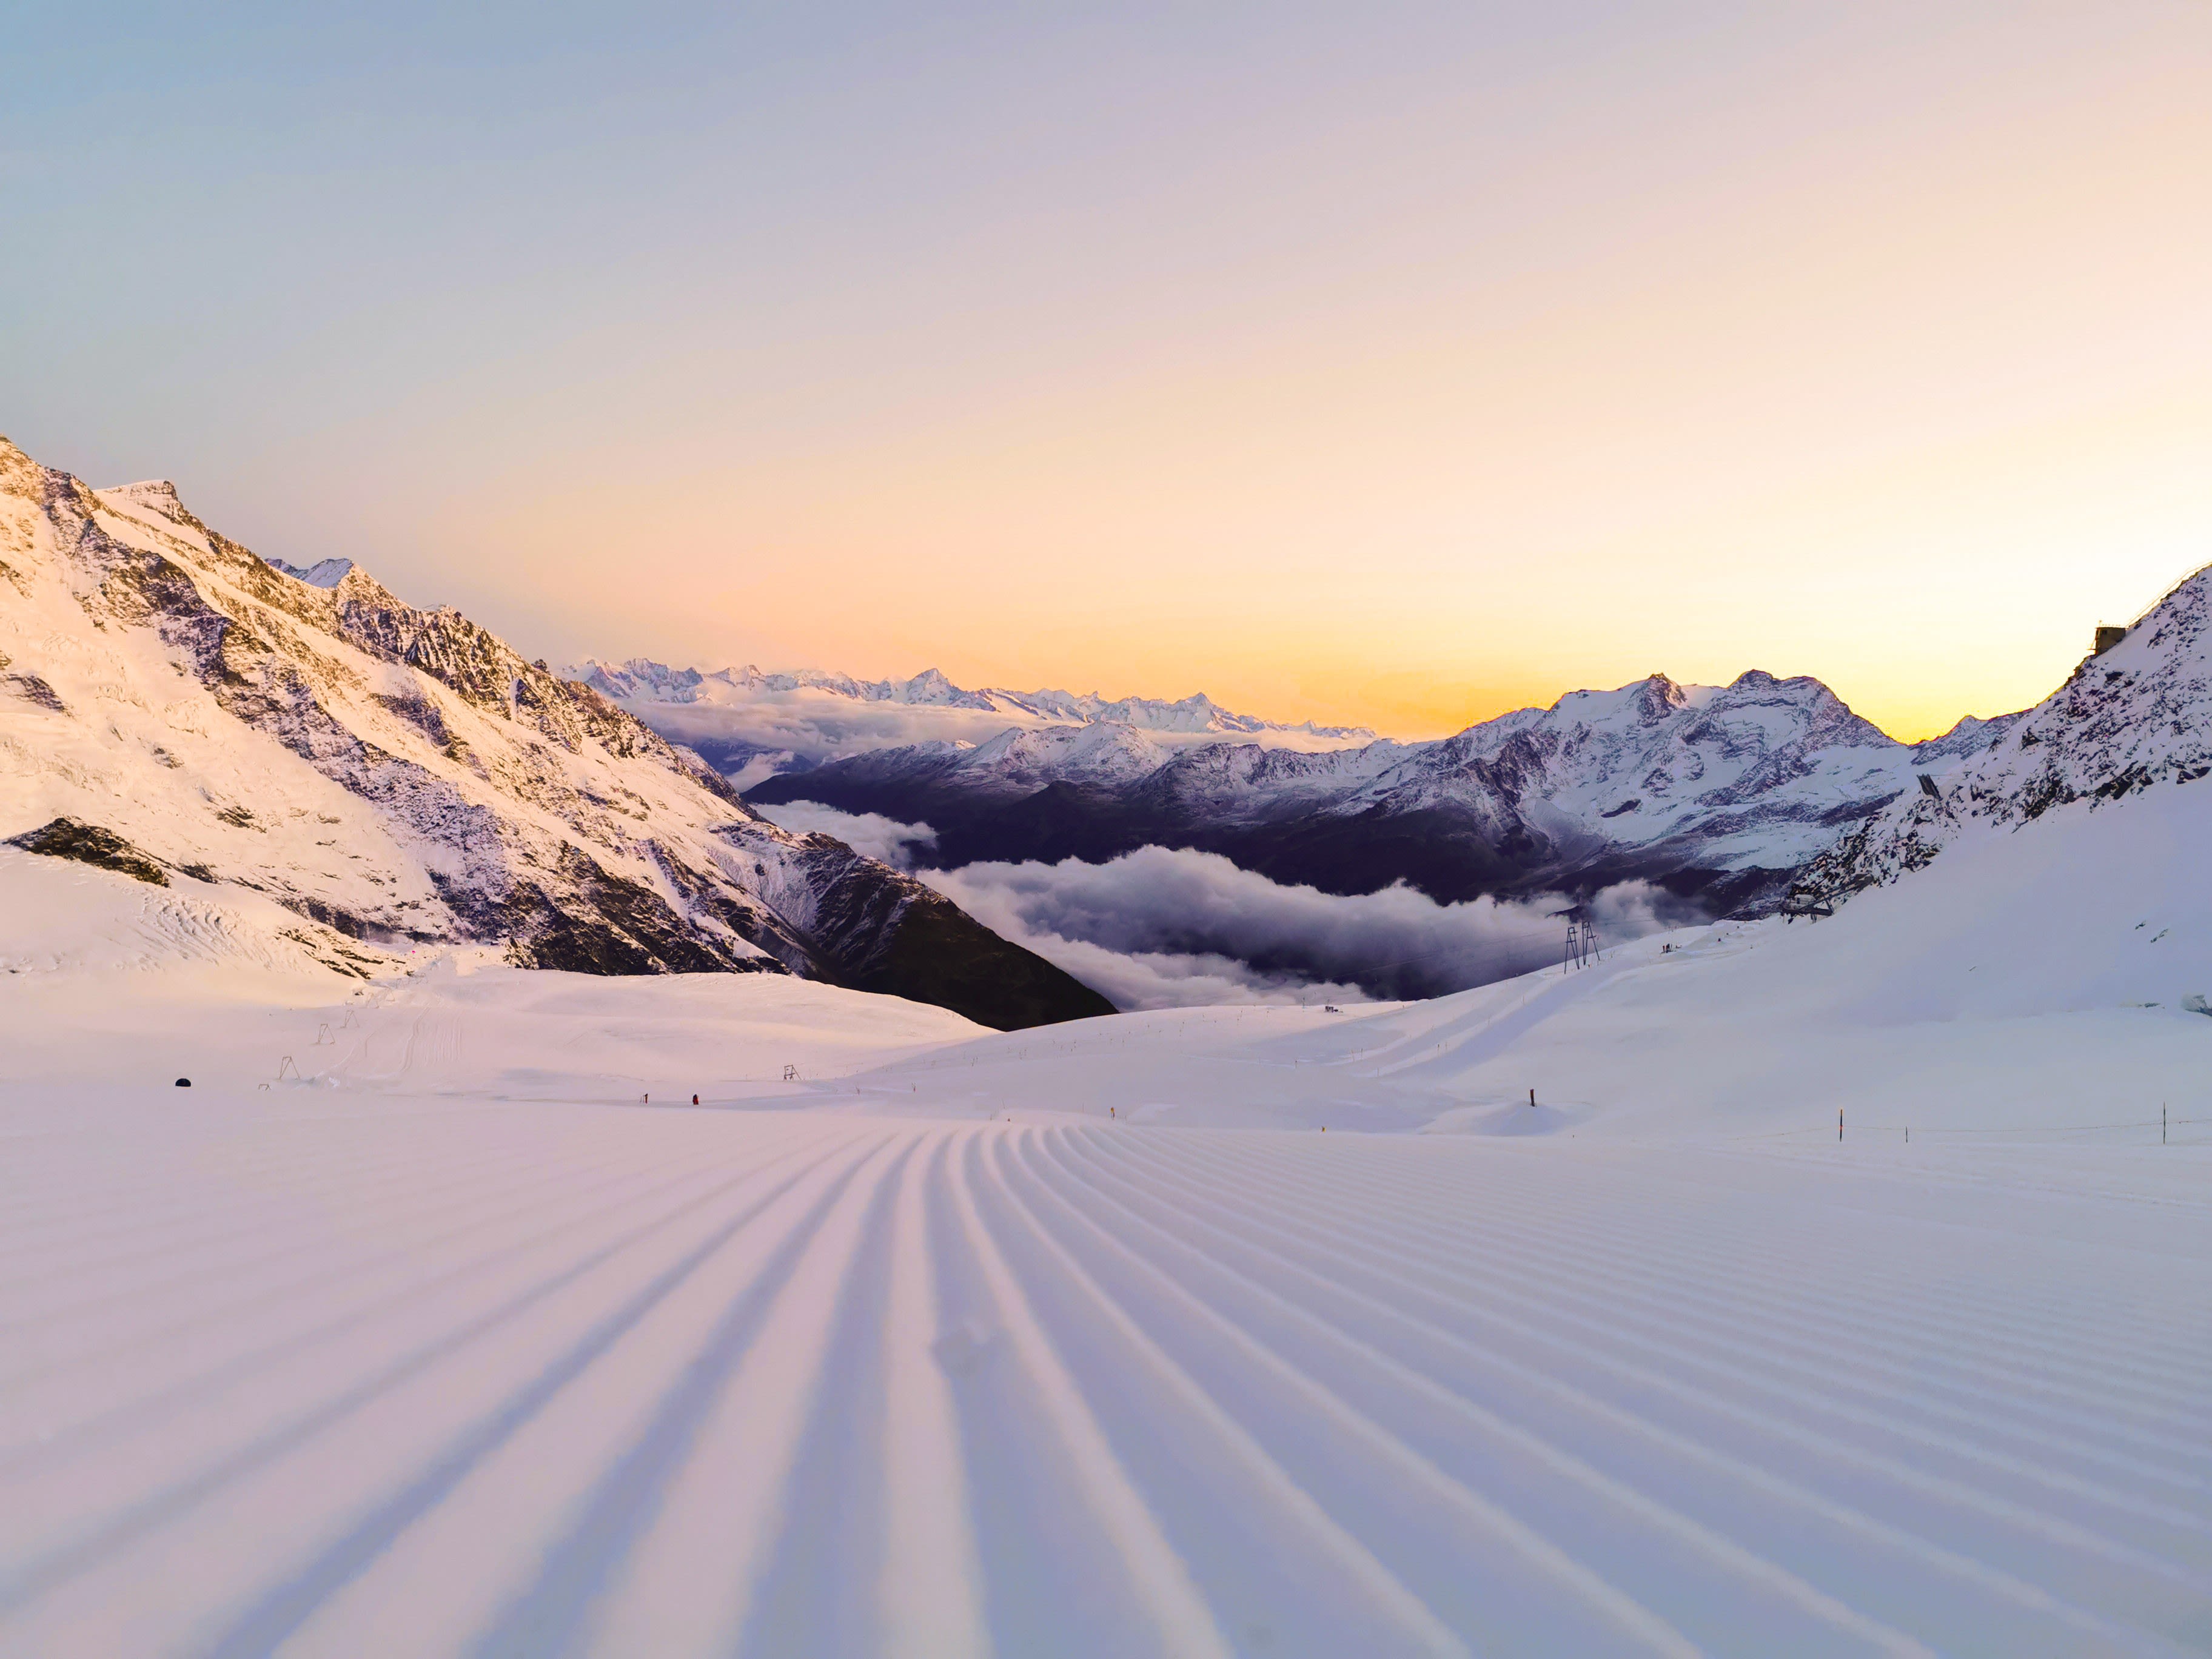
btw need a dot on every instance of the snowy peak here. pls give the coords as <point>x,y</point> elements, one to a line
<point>931,688</point>
<point>642,681</point>
<point>1800,709</point>
<point>20,476</point>
<point>324,572</point>
<point>1644,702</point>
<point>639,678</point>
<point>1657,738</point>
<point>1101,752</point>
<point>157,496</point>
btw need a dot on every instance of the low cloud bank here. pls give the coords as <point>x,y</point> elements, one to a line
<point>1158,928</point>
<point>869,833</point>
<point>812,727</point>
<point>749,736</point>
<point>1161,928</point>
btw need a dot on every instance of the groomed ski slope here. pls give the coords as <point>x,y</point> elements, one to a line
<point>302,1373</point>
<point>440,1341</point>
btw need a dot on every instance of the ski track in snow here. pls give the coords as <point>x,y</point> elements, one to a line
<point>495,1379</point>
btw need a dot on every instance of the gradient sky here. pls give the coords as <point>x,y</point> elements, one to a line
<point>1389,363</point>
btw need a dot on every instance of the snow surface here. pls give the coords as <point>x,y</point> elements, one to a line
<point>1120,1337</point>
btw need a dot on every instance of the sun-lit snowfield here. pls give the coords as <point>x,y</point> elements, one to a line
<point>310,1374</point>
<point>1094,1341</point>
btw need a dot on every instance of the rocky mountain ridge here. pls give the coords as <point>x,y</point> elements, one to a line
<point>2133,717</point>
<point>400,776</point>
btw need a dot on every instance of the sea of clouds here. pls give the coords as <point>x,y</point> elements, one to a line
<point>1161,927</point>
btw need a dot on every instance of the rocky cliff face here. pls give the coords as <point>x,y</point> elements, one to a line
<point>403,776</point>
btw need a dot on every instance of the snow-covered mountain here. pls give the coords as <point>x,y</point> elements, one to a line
<point>2135,716</point>
<point>1719,791</point>
<point>175,708</point>
<point>753,726</point>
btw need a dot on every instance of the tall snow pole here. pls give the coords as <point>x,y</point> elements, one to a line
<point>1839,1126</point>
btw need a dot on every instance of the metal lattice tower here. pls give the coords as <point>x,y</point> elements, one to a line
<point>1582,939</point>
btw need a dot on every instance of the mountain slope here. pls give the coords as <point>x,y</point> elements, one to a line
<point>398,775</point>
<point>2135,717</point>
<point>1718,791</point>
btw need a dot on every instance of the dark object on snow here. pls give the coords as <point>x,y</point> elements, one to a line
<point>87,843</point>
<point>2107,636</point>
<point>873,929</point>
<point>1582,937</point>
<point>1809,900</point>
<point>184,1083</point>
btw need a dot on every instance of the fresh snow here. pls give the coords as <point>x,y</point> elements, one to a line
<point>1781,1287</point>
<point>1233,1331</point>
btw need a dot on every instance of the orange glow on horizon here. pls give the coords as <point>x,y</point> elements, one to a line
<point>1891,368</point>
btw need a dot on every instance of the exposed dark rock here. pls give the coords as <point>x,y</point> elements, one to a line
<point>879,930</point>
<point>87,843</point>
<point>33,689</point>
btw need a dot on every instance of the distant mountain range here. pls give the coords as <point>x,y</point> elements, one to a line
<point>657,683</point>
<point>1719,793</point>
<point>174,708</point>
<point>753,726</point>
